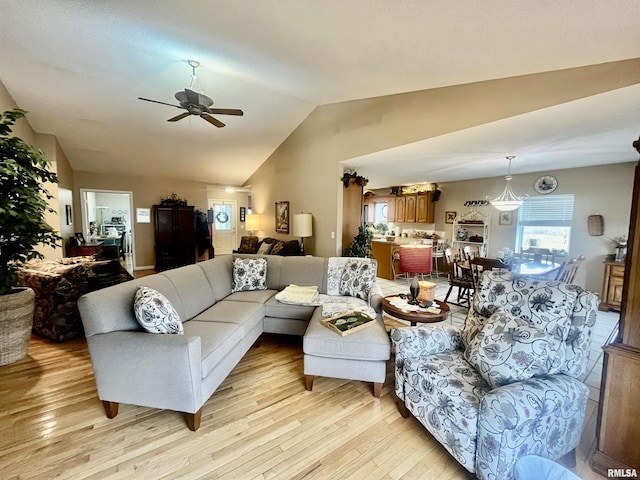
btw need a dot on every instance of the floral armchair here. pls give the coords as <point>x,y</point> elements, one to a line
<point>509,383</point>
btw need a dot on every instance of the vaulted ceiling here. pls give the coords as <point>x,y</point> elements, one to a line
<point>78,68</point>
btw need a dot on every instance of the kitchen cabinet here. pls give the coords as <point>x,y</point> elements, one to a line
<point>410,209</point>
<point>174,235</point>
<point>425,208</point>
<point>391,209</point>
<point>612,286</point>
<point>401,203</point>
<point>382,252</point>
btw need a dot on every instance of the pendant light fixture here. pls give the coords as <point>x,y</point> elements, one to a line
<point>507,200</point>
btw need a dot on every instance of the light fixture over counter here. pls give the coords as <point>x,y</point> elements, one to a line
<point>507,200</point>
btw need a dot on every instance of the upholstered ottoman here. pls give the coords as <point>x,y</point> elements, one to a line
<point>362,355</point>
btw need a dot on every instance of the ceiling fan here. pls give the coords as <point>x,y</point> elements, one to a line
<point>196,103</point>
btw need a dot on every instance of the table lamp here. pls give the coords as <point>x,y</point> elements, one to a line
<point>302,227</point>
<point>252,223</point>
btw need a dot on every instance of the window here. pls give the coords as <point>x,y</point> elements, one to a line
<point>545,222</point>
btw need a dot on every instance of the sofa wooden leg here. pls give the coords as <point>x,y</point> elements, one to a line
<point>308,382</point>
<point>193,420</point>
<point>110,408</point>
<point>377,389</point>
<point>569,459</point>
<point>402,408</point>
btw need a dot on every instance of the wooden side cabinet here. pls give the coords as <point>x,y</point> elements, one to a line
<point>612,286</point>
<point>175,236</point>
<point>425,208</point>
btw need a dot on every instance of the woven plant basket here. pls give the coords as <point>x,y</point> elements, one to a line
<point>16,320</point>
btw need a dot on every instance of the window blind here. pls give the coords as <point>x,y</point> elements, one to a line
<point>551,210</point>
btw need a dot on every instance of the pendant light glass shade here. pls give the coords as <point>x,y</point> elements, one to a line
<point>507,200</point>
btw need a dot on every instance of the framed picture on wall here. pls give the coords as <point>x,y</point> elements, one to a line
<point>282,217</point>
<point>449,217</point>
<point>243,214</point>
<point>505,218</point>
<point>69,217</point>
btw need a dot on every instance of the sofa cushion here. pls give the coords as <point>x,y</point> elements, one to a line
<point>277,309</point>
<point>371,343</point>
<point>245,314</point>
<point>508,349</point>
<point>277,248</point>
<point>219,274</point>
<point>264,248</point>
<point>193,287</point>
<point>217,340</point>
<point>357,278</point>
<point>254,296</point>
<point>155,313</point>
<point>249,274</point>
<point>545,304</point>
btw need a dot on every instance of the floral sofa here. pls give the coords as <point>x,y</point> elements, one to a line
<point>59,283</point>
<point>509,383</point>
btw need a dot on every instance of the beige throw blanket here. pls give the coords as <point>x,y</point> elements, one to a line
<point>298,295</point>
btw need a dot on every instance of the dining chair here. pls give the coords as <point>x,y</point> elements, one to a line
<point>459,277</point>
<point>395,265</point>
<point>438,253</point>
<point>482,264</point>
<point>416,259</point>
<point>471,251</point>
<point>568,270</point>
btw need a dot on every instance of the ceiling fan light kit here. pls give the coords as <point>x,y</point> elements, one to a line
<point>196,103</point>
<point>507,200</point>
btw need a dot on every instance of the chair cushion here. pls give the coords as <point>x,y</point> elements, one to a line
<point>545,304</point>
<point>155,313</point>
<point>249,274</point>
<point>507,349</point>
<point>357,278</point>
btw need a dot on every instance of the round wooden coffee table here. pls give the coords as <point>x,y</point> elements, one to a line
<point>414,316</point>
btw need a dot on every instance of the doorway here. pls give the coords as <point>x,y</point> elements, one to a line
<point>224,225</point>
<point>108,213</point>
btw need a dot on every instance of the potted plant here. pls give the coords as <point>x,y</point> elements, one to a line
<point>361,244</point>
<point>23,205</point>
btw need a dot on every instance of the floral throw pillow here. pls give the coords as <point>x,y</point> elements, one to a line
<point>155,313</point>
<point>357,278</point>
<point>508,349</point>
<point>249,274</point>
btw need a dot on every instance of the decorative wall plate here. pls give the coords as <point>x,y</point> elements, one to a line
<point>545,184</point>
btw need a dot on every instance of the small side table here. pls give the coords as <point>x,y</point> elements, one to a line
<point>414,316</point>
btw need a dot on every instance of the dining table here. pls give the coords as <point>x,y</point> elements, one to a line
<point>536,269</point>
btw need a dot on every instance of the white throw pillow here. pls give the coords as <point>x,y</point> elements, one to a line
<point>155,313</point>
<point>249,274</point>
<point>264,249</point>
<point>508,349</point>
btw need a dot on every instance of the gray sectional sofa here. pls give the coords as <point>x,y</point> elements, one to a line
<point>181,372</point>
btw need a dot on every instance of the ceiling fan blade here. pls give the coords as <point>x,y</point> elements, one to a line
<point>161,103</point>
<point>212,120</point>
<point>227,111</point>
<point>179,117</point>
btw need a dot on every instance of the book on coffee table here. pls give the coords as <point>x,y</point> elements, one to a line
<point>348,322</point>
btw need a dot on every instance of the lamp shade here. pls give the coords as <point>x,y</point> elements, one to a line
<point>252,222</point>
<point>302,225</point>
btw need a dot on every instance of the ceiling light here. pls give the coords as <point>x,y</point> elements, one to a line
<point>507,200</point>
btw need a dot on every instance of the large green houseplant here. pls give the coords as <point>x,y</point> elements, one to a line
<point>23,205</point>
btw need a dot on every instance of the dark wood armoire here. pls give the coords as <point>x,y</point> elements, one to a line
<point>618,427</point>
<point>175,236</point>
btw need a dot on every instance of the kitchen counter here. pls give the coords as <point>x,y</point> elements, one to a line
<point>382,251</point>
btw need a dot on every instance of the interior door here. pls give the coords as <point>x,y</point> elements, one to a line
<point>224,226</point>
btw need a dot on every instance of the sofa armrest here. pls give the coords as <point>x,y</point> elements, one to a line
<point>425,340</point>
<point>153,370</point>
<point>541,416</point>
<point>375,297</point>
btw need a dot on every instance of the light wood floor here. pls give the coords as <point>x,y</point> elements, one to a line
<point>260,424</point>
